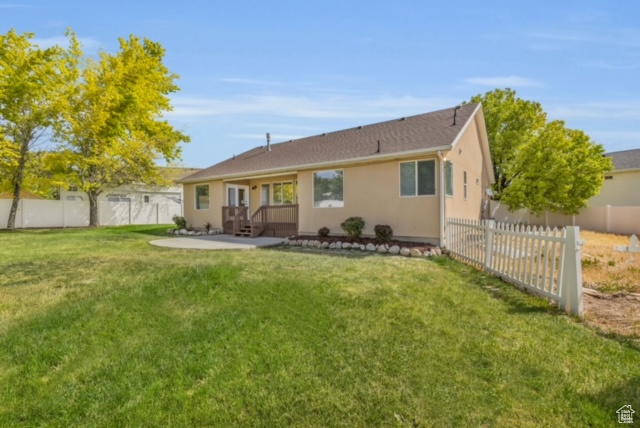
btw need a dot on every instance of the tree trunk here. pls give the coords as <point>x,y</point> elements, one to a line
<point>17,188</point>
<point>93,209</point>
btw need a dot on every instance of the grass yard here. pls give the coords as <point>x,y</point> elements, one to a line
<point>99,328</point>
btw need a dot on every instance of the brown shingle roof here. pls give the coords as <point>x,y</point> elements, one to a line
<point>422,132</point>
<point>626,159</point>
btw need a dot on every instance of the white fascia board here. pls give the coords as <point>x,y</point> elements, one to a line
<point>294,169</point>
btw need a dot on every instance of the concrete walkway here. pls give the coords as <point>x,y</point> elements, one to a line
<point>216,242</point>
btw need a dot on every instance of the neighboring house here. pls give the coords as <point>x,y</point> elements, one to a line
<point>410,173</point>
<point>138,193</point>
<point>620,185</point>
<point>135,203</point>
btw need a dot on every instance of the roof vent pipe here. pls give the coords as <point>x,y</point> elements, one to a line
<point>455,113</point>
<point>268,142</point>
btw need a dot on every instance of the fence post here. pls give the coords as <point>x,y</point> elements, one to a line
<point>571,293</point>
<point>488,239</point>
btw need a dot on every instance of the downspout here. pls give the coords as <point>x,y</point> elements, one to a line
<point>442,200</point>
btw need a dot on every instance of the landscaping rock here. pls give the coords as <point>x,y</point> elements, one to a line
<point>191,233</point>
<point>405,251</point>
<point>325,245</point>
<point>286,241</point>
<point>394,249</point>
<point>437,251</point>
<point>305,243</point>
<point>383,248</point>
<point>183,231</point>
<point>332,246</point>
<point>362,247</point>
<point>338,245</point>
<point>370,247</point>
<point>428,253</point>
<point>346,246</point>
<point>415,252</point>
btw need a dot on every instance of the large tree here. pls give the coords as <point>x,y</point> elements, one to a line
<point>539,165</point>
<point>31,81</point>
<point>113,130</point>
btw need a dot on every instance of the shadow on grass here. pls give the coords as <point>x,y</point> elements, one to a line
<point>627,392</point>
<point>352,254</point>
<point>520,300</point>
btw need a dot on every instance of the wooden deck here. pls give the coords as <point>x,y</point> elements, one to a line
<point>273,220</point>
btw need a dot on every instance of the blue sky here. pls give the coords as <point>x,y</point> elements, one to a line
<point>295,68</point>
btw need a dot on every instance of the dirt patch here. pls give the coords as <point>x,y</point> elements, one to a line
<point>613,313</point>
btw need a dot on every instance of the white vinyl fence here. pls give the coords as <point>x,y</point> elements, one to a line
<point>49,213</point>
<point>544,261</point>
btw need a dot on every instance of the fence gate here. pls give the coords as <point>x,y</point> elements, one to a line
<point>544,261</point>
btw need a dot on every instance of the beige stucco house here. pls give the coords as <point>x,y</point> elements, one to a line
<point>621,185</point>
<point>410,173</point>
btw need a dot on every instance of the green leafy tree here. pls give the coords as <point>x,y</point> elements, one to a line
<point>31,81</point>
<point>539,165</point>
<point>113,130</point>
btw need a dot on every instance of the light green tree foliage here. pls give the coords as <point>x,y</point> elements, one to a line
<point>539,165</point>
<point>114,131</point>
<point>31,80</point>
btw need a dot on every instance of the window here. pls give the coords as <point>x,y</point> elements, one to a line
<point>73,188</point>
<point>448,175</point>
<point>264,194</point>
<point>202,197</point>
<point>464,182</point>
<point>74,198</point>
<point>146,199</point>
<point>328,189</point>
<point>418,178</point>
<point>283,193</point>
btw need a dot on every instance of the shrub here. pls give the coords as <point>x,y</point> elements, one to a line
<point>353,226</point>
<point>323,232</point>
<point>180,221</point>
<point>207,226</point>
<point>383,233</point>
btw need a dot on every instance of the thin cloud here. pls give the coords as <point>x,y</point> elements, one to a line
<point>622,110</point>
<point>244,81</point>
<point>275,137</point>
<point>504,81</point>
<point>331,107</point>
<point>88,43</point>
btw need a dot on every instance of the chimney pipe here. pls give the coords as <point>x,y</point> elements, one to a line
<point>455,113</point>
<point>268,142</point>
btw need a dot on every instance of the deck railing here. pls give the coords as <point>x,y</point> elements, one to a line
<point>278,219</point>
<point>271,220</point>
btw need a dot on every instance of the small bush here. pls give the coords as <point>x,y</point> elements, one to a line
<point>383,233</point>
<point>353,226</point>
<point>180,221</point>
<point>207,226</point>
<point>323,232</point>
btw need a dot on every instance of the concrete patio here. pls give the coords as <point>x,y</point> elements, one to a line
<point>216,242</point>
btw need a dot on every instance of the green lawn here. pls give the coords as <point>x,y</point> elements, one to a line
<point>97,327</point>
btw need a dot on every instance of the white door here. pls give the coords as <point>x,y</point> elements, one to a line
<point>237,195</point>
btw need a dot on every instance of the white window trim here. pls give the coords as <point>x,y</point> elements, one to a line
<point>453,180</point>
<point>415,162</point>
<point>313,190</point>
<point>195,197</point>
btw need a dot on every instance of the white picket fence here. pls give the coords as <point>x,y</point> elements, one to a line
<point>544,261</point>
